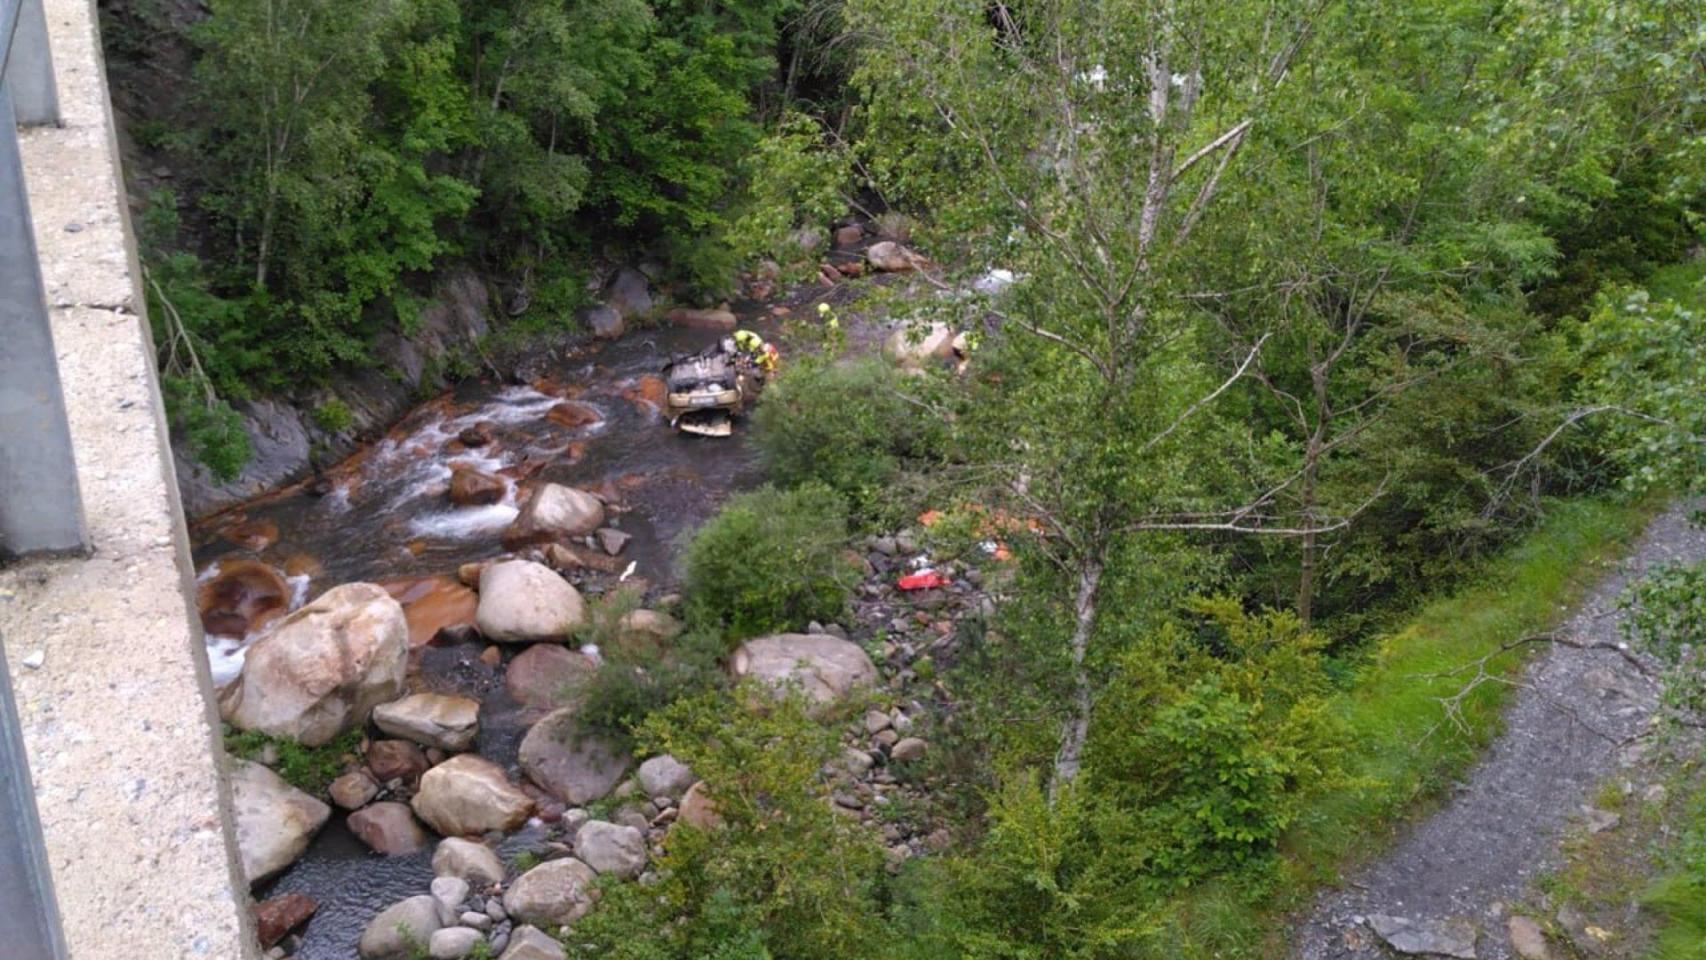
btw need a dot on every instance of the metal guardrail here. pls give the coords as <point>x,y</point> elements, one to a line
<point>39,505</point>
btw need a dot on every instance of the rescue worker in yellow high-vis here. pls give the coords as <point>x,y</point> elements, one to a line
<point>764,355</point>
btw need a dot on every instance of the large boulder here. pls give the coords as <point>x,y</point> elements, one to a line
<point>547,676</point>
<point>603,321</point>
<point>400,929</point>
<point>575,765</point>
<point>531,943</point>
<point>609,848</point>
<point>242,596</point>
<point>322,670</point>
<point>665,776</point>
<point>552,894</point>
<point>472,487</point>
<point>694,318</point>
<point>522,601</point>
<point>890,257</point>
<point>912,345</point>
<point>474,862</point>
<point>824,668</point>
<point>629,294</point>
<point>556,512</point>
<point>388,827</point>
<point>275,820</point>
<point>468,795</point>
<point>432,719</point>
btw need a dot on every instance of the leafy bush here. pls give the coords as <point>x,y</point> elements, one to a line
<point>769,560</point>
<point>784,875</point>
<point>845,425</point>
<point>333,416</point>
<point>638,679</point>
<point>1666,614</point>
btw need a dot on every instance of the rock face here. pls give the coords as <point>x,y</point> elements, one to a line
<point>608,848</point>
<point>544,676</point>
<point>470,486</point>
<point>399,928</point>
<point>531,943</point>
<point>556,512</point>
<point>275,820</point>
<point>665,776</point>
<point>823,667</point>
<point>696,319</point>
<point>1445,938</point>
<point>890,257</point>
<point>552,894</point>
<point>474,862</point>
<point>522,601</point>
<point>322,670</point>
<point>431,719</point>
<point>279,915</point>
<point>469,795</point>
<point>388,828</point>
<point>242,597</point>
<point>912,346</point>
<point>576,767</point>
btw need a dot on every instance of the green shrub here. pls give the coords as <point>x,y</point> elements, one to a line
<point>1667,616</point>
<point>333,416</point>
<point>639,679</point>
<point>784,875</point>
<point>769,560</point>
<point>845,425</point>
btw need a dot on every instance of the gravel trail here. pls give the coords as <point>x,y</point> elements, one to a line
<point>1568,725</point>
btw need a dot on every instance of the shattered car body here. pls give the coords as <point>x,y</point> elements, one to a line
<point>704,393</point>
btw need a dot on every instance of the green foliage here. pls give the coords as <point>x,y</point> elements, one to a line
<point>784,876</point>
<point>797,177</point>
<point>640,676</point>
<point>333,416</point>
<point>847,425</point>
<point>309,769</point>
<point>1679,895</point>
<point>771,559</point>
<point>1665,613</point>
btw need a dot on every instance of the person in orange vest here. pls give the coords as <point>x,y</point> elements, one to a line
<point>764,355</point>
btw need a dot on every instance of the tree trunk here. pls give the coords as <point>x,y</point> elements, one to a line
<point>1077,726</point>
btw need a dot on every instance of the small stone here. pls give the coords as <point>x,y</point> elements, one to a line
<point>876,721</point>
<point>609,848</point>
<point>495,910</point>
<point>453,943</point>
<point>531,943</point>
<point>476,919</point>
<point>612,541</point>
<point>279,915</point>
<point>450,891</point>
<point>1599,821</point>
<point>665,776</point>
<point>35,659</point>
<point>398,927</point>
<point>353,790</point>
<point>1527,938</point>
<point>475,862</point>
<point>389,828</point>
<point>1449,938</point>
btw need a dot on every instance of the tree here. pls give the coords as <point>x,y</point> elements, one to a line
<point>1087,143</point>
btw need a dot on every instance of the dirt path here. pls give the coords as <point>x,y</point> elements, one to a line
<point>1568,726</point>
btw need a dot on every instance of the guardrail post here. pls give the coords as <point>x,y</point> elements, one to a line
<point>40,508</point>
<point>29,65</point>
<point>26,889</point>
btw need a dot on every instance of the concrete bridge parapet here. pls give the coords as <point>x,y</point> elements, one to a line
<point>104,649</point>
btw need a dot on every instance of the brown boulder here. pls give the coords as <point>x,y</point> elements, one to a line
<point>477,435</point>
<point>388,827</point>
<point>545,676</point>
<point>573,764</point>
<point>573,415</point>
<point>849,235</point>
<point>244,596</point>
<point>396,760</point>
<point>431,604</point>
<point>353,790</point>
<point>697,810</point>
<point>472,487</point>
<point>277,916</point>
<point>469,795</point>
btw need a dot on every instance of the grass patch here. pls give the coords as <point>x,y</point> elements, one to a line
<point>1678,897</point>
<point>1403,752</point>
<point>309,769</point>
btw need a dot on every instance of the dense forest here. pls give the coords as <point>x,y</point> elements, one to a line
<point>1316,308</point>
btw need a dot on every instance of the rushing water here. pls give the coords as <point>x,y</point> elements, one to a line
<point>386,514</point>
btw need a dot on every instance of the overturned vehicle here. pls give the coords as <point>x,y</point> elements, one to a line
<point>705,391</point>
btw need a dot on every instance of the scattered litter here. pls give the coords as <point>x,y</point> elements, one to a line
<point>629,571</point>
<point>590,651</point>
<point>923,580</point>
<point>35,660</point>
<point>930,518</point>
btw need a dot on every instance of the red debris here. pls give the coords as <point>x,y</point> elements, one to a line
<point>922,580</point>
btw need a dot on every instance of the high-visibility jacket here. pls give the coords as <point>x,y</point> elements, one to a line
<point>749,342</point>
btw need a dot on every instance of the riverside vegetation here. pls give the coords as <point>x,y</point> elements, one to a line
<point>1338,342</point>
